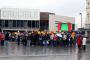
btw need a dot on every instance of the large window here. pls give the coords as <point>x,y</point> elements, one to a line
<point>37,24</point>
<point>21,23</point>
<point>33,24</point>
<point>18,23</point>
<point>0,23</point>
<point>3,23</point>
<point>29,23</point>
<point>6,23</point>
<point>14,23</point>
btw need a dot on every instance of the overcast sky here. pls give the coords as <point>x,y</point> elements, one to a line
<point>61,7</point>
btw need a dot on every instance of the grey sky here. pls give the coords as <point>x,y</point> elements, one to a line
<point>60,7</point>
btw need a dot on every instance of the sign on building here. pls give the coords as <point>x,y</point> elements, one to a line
<point>20,14</point>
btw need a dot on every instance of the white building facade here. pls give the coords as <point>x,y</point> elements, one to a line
<point>87,23</point>
<point>63,20</point>
<point>19,19</point>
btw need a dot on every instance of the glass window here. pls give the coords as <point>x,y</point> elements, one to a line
<point>33,24</point>
<point>0,22</point>
<point>29,23</point>
<point>14,23</point>
<point>21,23</point>
<point>37,24</point>
<point>18,23</point>
<point>6,23</point>
<point>3,23</point>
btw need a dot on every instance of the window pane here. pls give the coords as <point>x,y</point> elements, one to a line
<point>33,24</point>
<point>22,23</point>
<point>3,23</point>
<point>29,23</point>
<point>14,23</point>
<point>6,23</point>
<point>37,24</point>
<point>0,23</point>
<point>18,23</point>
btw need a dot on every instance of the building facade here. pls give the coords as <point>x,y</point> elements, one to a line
<point>15,19</point>
<point>61,23</point>
<point>87,24</point>
<point>44,21</point>
<point>19,19</point>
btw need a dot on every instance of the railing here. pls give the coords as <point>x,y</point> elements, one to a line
<point>19,28</point>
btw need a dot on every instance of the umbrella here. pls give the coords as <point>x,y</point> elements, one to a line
<point>59,35</point>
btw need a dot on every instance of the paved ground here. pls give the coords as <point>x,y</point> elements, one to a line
<point>14,52</point>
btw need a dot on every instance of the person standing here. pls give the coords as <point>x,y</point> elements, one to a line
<point>18,39</point>
<point>55,39</point>
<point>79,42</point>
<point>73,39</point>
<point>44,39</point>
<point>84,43</point>
<point>2,39</point>
<point>6,38</point>
<point>25,40</point>
<point>29,39</point>
<point>51,38</point>
<point>65,40</point>
<point>40,39</point>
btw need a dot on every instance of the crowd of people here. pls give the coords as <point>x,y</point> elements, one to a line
<point>35,38</point>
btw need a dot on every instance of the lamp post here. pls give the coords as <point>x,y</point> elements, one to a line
<point>81,21</point>
<point>88,20</point>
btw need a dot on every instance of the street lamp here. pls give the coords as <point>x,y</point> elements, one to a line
<point>81,20</point>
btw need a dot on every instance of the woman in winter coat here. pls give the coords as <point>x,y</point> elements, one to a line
<point>55,38</point>
<point>2,39</point>
<point>79,42</point>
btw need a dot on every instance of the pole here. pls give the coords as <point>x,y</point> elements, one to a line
<point>81,21</point>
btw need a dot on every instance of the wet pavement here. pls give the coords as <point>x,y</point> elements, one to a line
<point>15,52</point>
